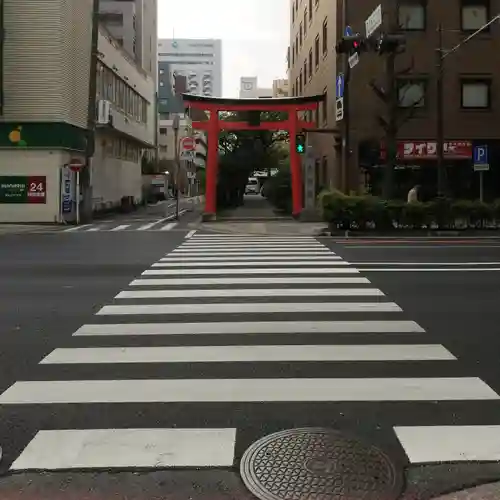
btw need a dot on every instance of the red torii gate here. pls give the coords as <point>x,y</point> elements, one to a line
<point>214,125</point>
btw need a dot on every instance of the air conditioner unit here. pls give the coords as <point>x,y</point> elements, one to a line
<point>103,112</point>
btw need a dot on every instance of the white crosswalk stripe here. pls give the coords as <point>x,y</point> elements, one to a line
<point>225,321</point>
<point>165,224</point>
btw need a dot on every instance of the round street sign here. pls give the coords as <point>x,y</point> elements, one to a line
<point>188,144</point>
<point>75,164</point>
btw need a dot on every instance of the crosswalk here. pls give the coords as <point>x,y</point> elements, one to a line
<point>164,224</point>
<point>230,337</point>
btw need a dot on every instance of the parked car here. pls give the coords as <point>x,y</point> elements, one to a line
<point>252,186</point>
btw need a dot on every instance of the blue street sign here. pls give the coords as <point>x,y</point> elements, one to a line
<point>348,31</point>
<point>339,86</point>
<point>480,155</point>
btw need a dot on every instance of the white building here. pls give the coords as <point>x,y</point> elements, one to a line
<point>280,87</point>
<point>134,24</point>
<point>200,61</point>
<point>46,67</point>
<point>249,88</point>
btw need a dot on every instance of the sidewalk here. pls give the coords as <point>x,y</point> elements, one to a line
<point>255,207</point>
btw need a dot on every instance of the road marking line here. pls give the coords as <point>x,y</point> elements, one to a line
<point>268,270</point>
<point>248,263</point>
<point>248,353</point>
<point>179,252</point>
<point>93,229</point>
<point>75,228</point>
<point>249,327</point>
<point>337,280</point>
<point>108,448</point>
<point>456,443</point>
<point>145,227</point>
<point>211,241</point>
<point>181,258</point>
<point>168,226</point>
<point>247,390</point>
<point>427,269</point>
<point>191,233</point>
<point>121,227</point>
<point>383,263</point>
<point>252,292</point>
<point>275,307</point>
<point>413,247</point>
<point>251,246</point>
<point>249,236</point>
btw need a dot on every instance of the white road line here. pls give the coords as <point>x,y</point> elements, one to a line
<point>254,241</point>
<point>247,390</point>
<point>249,327</point>
<point>180,258</point>
<point>268,270</point>
<point>337,280</point>
<point>223,253</point>
<point>121,227</point>
<point>429,269</point>
<point>437,264</point>
<point>275,307</point>
<point>248,353</point>
<point>450,443</point>
<point>93,229</point>
<point>251,263</point>
<point>112,448</point>
<point>75,228</point>
<point>168,226</point>
<point>422,247</point>
<point>145,227</point>
<point>222,236</point>
<point>191,233</point>
<point>252,292</point>
<point>251,246</point>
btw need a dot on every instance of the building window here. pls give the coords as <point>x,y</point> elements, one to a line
<point>324,106</point>
<point>301,35</point>
<point>474,14</point>
<point>310,11</point>
<point>411,93</point>
<point>293,54</point>
<point>301,82</point>
<point>296,45</point>
<point>325,36</point>
<point>411,15</point>
<point>310,63</point>
<point>316,52</point>
<point>163,131</point>
<point>297,87</point>
<point>305,22</point>
<point>476,94</point>
<point>293,90</point>
<point>293,14</point>
<point>305,71</point>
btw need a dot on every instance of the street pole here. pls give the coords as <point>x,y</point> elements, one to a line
<point>175,126</point>
<point>441,172</point>
<point>481,186</point>
<point>91,115</point>
<point>392,126</point>
<point>347,77</point>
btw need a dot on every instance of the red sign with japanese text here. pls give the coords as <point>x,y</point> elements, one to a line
<point>427,150</point>
<point>37,189</point>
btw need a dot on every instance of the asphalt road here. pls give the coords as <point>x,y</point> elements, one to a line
<point>229,339</point>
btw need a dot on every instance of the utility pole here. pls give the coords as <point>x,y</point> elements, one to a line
<point>441,169</point>
<point>346,143</point>
<point>392,126</point>
<point>176,126</point>
<point>85,177</point>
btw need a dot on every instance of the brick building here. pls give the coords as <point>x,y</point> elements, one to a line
<point>472,109</point>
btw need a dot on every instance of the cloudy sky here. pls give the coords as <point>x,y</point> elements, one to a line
<point>254,34</point>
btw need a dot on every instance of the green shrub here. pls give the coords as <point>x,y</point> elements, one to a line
<point>372,213</point>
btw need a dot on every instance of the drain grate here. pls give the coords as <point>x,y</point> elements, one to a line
<point>318,464</point>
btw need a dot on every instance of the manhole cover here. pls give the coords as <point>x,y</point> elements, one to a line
<point>318,464</point>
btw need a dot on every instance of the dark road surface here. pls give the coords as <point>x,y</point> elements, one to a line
<point>230,338</point>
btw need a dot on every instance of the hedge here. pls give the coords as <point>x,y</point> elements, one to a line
<point>371,213</point>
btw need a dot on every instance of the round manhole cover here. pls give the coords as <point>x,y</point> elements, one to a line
<point>318,464</point>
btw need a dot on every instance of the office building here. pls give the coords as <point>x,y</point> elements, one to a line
<point>470,116</point>
<point>280,87</point>
<point>133,23</point>
<point>199,60</point>
<point>249,88</point>
<point>44,118</point>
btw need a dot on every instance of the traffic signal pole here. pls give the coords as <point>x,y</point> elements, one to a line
<point>346,142</point>
<point>392,126</point>
<point>441,169</point>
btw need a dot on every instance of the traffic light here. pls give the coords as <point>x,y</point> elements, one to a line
<point>300,143</point>
<point>351,44</point>
<point>390,43</point>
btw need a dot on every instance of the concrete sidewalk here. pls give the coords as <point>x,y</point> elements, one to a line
<point>484,492</point>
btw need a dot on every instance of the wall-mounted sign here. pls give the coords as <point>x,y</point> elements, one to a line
<point>23,189</point>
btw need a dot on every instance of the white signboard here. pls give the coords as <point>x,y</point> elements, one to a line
<point>187,155</point>
<point>339,109</point>
<point>374,21</point>
<point>353,60</point>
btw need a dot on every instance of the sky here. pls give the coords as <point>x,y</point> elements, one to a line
<point>254,33</point>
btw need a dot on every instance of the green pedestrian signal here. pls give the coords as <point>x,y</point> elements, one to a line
<point>300,143</point>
